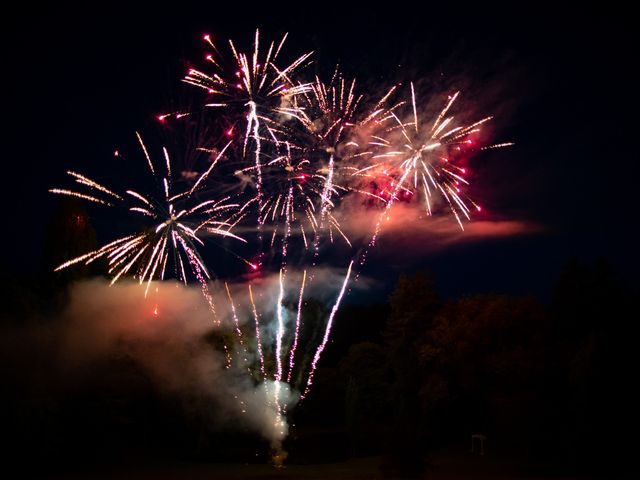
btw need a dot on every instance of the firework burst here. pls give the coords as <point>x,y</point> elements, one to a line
<point>173,226</point>
<point>419,159</point>
<point>252,90</point>
<point>314,166</point>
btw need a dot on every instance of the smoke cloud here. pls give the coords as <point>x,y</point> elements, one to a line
<point>174,337</point>
<point>408,232</point>
<point>166,334</point>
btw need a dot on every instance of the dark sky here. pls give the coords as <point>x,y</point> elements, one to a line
<point>80,81</point>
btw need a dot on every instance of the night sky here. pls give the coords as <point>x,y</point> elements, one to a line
<point>81,80</point>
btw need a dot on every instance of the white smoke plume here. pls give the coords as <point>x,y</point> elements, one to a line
<point>168,334</point>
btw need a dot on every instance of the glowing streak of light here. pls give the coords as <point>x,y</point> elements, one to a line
<point>294,346</point>
<point>206,174</point>
<point>413,103</point>
<point>253,126</point>
<point>71,193</point>
<point>256,319</point>
<point>93,184</point>
<point>279,335</point>
<point>498,145</point>
<point>327,333</point>
<point>236,323</point>
<point>146,154</point>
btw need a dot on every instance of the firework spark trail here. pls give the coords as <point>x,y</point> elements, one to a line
<point>294,346</point>
<point>146,154</point>
<point>256,319</point>
<point>327,333</point>
<point>253,128</point>
<point>279,335</point>
<point>201,275</point>
<point>70,193</point>
<point>385,212</point>
<point>208,171</point>
<point>92,184</point>
<point>498,145</point>
<point>413,104</point>
<point>325,202</point>
<point>238,330</point>
<point>287,207</point>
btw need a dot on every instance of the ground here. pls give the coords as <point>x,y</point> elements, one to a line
<point>440,467</point>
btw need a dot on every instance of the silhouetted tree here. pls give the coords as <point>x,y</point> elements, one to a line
<point>367,403</point>
<point>414,304</point>
<point>482,362</point>
<point>592,345</point>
